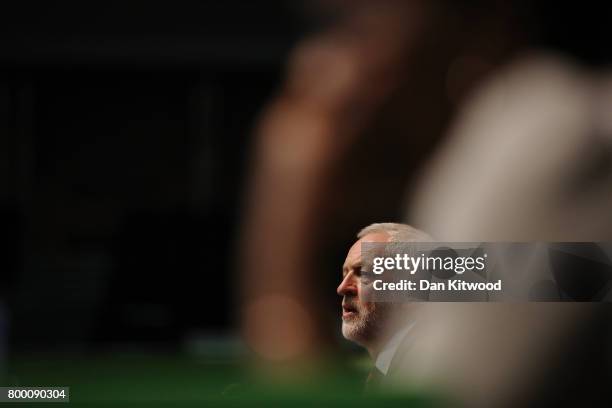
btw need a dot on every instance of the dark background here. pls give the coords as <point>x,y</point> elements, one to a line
<point>124,128</point>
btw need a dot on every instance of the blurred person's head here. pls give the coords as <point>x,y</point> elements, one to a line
<point>363,322</point>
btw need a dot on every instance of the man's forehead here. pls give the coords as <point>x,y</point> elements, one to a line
<point>354,254</point>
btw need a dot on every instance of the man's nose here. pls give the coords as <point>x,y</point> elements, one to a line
<point>348,286</point>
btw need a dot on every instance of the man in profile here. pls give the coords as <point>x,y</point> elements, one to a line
<point>381,328</point>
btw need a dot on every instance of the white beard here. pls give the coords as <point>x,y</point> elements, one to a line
<point>367,325</point>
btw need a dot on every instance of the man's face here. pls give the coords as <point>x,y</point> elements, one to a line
<point>361,321</point>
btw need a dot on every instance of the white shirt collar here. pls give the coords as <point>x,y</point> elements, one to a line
<point>384,358</point>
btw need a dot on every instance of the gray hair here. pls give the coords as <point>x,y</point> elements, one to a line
<point>397,232</point>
